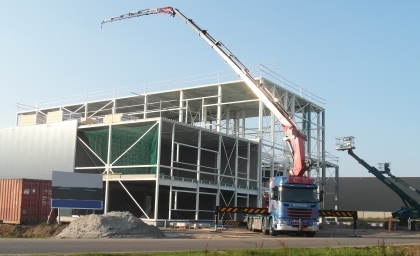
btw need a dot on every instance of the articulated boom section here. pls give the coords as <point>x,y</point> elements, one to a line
<point>399,180</point>
<point>408,200</point>
<point>296,141</point>
<point>295,138</point>
<point>167,10</point>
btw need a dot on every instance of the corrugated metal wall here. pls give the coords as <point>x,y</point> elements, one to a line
<point>33,152</point>
<point>370,194</point>
<point>25,201</point>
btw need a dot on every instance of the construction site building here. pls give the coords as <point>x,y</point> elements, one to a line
<point>170,154</point>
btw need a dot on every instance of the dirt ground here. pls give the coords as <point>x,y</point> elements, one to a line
<point>44,230</point>
<point>41,230</point>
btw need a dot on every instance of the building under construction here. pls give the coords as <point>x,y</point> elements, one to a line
<point>171,154</point>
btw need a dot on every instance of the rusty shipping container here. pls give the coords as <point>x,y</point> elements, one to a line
<point>25,201</point>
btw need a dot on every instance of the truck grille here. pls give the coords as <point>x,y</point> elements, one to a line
<point>298,213</point>
<point>296,223</point>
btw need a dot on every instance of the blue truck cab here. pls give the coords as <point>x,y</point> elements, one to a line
<point>292,204</point>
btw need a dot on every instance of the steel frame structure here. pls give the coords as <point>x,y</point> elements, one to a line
<point>223,121</point>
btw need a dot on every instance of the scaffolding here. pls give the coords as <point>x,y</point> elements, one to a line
<point>176,154</point>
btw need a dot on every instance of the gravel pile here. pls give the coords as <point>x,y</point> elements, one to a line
<point>110,225</point>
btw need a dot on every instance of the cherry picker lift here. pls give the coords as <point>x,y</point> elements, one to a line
<point>409,214</point>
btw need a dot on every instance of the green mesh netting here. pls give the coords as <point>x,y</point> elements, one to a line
<point>144,152</point>
<point>98,142</point>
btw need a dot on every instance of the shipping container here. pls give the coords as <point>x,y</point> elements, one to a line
<point>25,201</point>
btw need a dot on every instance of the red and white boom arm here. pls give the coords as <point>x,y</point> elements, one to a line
<point>294,137</point>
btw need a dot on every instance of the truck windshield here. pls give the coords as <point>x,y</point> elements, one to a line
<point>308,195</point>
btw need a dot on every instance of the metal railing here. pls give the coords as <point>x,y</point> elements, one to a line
<point>184,82</point>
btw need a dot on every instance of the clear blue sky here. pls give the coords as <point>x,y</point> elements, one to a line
<point>363,57</point>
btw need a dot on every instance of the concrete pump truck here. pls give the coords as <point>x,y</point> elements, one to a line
<point>292,201</point>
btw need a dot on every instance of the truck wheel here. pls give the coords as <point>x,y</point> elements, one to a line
<point>249,224</point>
<point>264,229</point>
<point>385,225</point>
<point>271,230</point>
<point>310,234</point>
<point>393,225</point>
<point>417,226</point>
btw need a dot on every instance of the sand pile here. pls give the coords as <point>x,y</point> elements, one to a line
<point>113,224</point>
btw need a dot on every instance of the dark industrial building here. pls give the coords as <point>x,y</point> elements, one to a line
<point>371,194</point>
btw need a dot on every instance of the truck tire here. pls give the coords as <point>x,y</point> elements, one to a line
<point>249,224</point>
<point>393,225</point>
<point>310,234</point>
<point>417,226</point>
<point>264,229</point>
<point>271,230</point>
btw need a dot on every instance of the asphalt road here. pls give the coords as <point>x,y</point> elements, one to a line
<point>229,239</point>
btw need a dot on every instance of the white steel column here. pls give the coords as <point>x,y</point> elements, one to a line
<point>236,176</point>
<point>181,107</point>
<point>260,137</point>
<point>146,101</point>
<point>219,165</point>
<point>319,129</point>
<point>181,120</point>
<point>170,203</point>
<point>248,165</point>
<point>292,106</point>
<point>286,100</point>
<point>227,119</point>
<point>236,164</point>
<point>173,149</point>
<point>108,163</point>
<point>219,108</point>
<point>186,112</point>
<point>197,202</point>
<point>158,169</point>
<point>114,107</point>
<point>237,124</point>
<point>272,137</point>
<point>198,154</point>
<point>203,113</point>
<point>171,171</point>
<point>323,179</point>
<point>243,124</point>
<point>259,174</point>
<point>176,200</point>
<point>260,120</point>
<point>86,110</point>
<point>309,135</point>
<point>197,199</point>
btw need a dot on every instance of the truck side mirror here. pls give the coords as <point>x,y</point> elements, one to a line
<point>274,194</point>
<point>321,196</point>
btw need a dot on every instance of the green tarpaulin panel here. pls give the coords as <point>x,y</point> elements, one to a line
<point>144,152</point>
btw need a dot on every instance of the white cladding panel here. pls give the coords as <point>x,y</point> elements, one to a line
<point>76,180</point>
<point>33,152</point>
